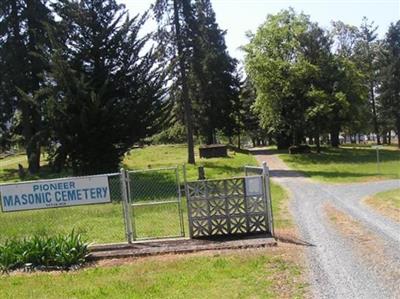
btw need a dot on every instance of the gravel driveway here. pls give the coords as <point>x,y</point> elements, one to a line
<point>342,265</point>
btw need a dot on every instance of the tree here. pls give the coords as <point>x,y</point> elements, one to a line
<point>278,67</point>
<point>105,91</point>
<point>389,77</point>
<point>23,38</point>
<point>303,88</point>
<point>354,115</point>
<point>174,34</point>
<point>248,120</point>
<point>214,86</point>
<point>367,50</point>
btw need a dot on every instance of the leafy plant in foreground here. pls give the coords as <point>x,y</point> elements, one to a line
<point>42,252</point>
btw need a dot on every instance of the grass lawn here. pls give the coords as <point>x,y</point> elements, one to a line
<point>346,164</point>
<point>9,169</point>
<point>104,223</point>
<point>387,203</point>
<point>240,274</point>
<point>172,155</point>
<point>280,207</point>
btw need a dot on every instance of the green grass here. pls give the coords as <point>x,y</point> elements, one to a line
<point>172,155</point>
<point>391,198</point>
<point>387,203</point>
<point>97,223</point>
<point>244,274</point>
<point>346,164</point>
<point>280,207</point>
<point>104,223</point>
<point>9,169</point>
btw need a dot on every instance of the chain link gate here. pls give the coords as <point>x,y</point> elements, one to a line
<point>154,205</point>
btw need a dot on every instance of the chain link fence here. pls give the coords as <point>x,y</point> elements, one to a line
<point>156,206</point>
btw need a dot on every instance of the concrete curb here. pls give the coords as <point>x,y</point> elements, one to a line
<point>176,246</point>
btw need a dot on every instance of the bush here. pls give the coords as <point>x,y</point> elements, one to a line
<point>38,252</point>
<point>174,134</point>
<point>299,149</point>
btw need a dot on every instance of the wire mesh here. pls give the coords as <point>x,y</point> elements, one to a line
<point>156,203</point>
<point>153,185</point>
<point>114,183</point>
<point>157,221</point>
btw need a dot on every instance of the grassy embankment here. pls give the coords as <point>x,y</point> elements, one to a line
<point>104,223</point>
<point>387,203</point>
<point>347,164</point>
<point>240,274</point>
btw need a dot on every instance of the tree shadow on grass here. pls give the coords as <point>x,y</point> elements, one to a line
<point>11,175</point>
<point>325,174</point>
<point>337,155</point>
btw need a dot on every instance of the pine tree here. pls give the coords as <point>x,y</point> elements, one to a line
<point>105,91</point>
<point>23,34</point>
<point>214,84</point>
<point>389,77</point>
<point>175,36</point>
<point>367,50</point>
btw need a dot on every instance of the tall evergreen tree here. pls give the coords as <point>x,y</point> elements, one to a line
<point>105,91</point>
<point>175,34</point>
<point>23,39</point>
<point>367,50</point>
<point>389,77</point>
<point>214,84</point>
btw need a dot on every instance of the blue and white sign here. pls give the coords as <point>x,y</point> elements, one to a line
<point>55,193</point>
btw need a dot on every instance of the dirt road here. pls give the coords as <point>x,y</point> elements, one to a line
<point>354,252</point>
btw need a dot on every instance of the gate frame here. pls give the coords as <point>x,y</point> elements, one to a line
<point>129,205</point>
<point>265,173</point>
<point>266,185</point>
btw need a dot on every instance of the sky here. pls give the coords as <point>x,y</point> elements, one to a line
<point>241,16</point>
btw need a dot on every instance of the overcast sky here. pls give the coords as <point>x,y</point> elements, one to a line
<point>240,16</point>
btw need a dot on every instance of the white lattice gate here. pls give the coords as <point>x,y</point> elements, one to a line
<point>240,205</point>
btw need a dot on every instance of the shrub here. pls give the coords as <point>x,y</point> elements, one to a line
<point>41,252</point>
<point>299,149</point>
<point>174,134</point>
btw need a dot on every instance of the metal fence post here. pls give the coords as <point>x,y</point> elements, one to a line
<point>125,205</point>
<point>131,212</point>
<point>188,201</point>
<point>269,198</point>
<point>180,202</point>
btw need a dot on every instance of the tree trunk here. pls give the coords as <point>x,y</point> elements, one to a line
<point>335,137</point>
<point>318,143</point>
<point>185,90</point>
<point>398,131</point>
<point>384,138</point>
<point>210,137</point>
<point>375,117</point>
<point>33,142</point>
